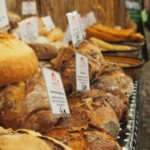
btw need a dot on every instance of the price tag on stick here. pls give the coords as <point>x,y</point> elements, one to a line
<point>89,19</point>
<point>28,29</point>
<point>74,25</point>
<point>82,73</point>
<point>48,22</point>
<point>56,93</point>
<point>29,8</point>
<point>3,14</point>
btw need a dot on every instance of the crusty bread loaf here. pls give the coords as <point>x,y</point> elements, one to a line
<point>26,105</point>
<point>17,61</point>
<point>26,139</point>
<point>115,80</point>
<point>76,139</point>
<point>94,111</point>
<point>65,64</point>
<point>114,100</point>
<point>92,139</point>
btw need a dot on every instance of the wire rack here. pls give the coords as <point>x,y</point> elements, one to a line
<point>129,131</point>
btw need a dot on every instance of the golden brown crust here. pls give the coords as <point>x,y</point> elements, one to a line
<point>17,61</point>
<point>27,139</point>
<point>92,139</point>
<point>76,140</point>
<point>93,111</point>
<point>44,51</point>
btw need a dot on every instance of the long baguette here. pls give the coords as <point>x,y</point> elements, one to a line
<point>91,32</point>
<point>106,46</point>
<point>113,31</point>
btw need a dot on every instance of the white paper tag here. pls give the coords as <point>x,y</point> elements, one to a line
<point>28,29</point>
<point>82,32</point>
<point>3,14</point>
<point>48,22</point>
<point>74,25</point>
<point>56,93</point>
<point>89,19</point>
<point>132,5</point>
<point>29,8</point>
<point>82,73</point>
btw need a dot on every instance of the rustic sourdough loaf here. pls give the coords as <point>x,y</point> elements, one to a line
<point>17,61</point>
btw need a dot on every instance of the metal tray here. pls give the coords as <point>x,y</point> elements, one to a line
<point>129,131</point>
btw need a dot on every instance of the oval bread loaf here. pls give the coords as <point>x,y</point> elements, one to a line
<point>17,60</point>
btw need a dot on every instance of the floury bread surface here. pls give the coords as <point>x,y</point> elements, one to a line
<point>17,61</point>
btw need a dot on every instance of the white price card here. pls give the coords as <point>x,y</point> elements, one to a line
<point>74,25</point>
<point>28,29</point>
<point>89,19</point>
<point>83,34</point>
<point>3,14</point>
<point>48,22</point>
<point>56,93</point>
<point>82,73</point>
<point>29,8</point>
<point>132,5</point>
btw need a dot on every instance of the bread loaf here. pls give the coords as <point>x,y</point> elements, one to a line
<point>26,105</point>
<point>65,64</point>
<point>17,61</point>
<point>92,139</point>
<point>115,80</point>
<point>25,139</point>
<point>114,100</point>
<point>93,111</point>
<point>74,139</point>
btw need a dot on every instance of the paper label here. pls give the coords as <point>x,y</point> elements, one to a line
<point>132,5</point>
<point>89,20</point>
<point>82,72</point>
<point>48,22</point>
<point>82,32</point>
<point>29,8</point>
<point>28,29</point>
<point>74,25</point>
<point>3,14</point>
<point>56,93</point>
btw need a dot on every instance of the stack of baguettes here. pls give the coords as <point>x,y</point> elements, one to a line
<point>95,115</point>
<point>111,34</point>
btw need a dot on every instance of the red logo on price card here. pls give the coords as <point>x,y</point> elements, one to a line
<point>28,26</point>
<point>55,81</point>
<point>82,64</point>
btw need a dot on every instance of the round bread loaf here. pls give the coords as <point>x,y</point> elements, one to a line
<point>18,62</point>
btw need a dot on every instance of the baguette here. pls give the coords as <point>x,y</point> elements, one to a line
<point>92,32</point>
<point>112,31</point>
<point>107,46</point>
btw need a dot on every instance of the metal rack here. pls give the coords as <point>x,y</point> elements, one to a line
<point>129,130</point>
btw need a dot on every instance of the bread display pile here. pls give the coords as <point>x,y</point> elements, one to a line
<point>113,35</point>
<point>24,104</point>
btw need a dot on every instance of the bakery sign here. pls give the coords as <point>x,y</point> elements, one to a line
<point>82,73</point>
<point>3,14</point>
<point>28,29</point>
<point>56,93</point>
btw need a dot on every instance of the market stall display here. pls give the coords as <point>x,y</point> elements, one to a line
<point>98,116</point>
